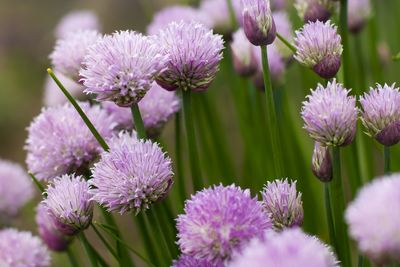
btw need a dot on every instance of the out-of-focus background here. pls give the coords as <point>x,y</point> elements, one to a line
<point>27,38</point>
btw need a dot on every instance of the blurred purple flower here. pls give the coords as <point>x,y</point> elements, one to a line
<point>358,13</point>
<point>315,10</point>
<point>244,56</point>
<point>76,21</point>
<point>276,65</point>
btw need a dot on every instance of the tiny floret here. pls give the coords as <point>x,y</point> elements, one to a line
<point>122,67</point>
<point>131,176</point>
<point>76,21</point>
<point>195,53</point>
<point>330,115</point>
<point>321,163</point>
<point>243,54</point>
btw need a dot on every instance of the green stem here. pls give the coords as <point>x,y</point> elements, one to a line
<point>345,42</point>
<point>191,139</point>
<point>329,218</point>
<point>361,261</point>
<point>147,240</point>
<point>386,157</point>
<point>178,161</point>
<point>71,257</point>
<point>106,244</point>
<point>232,14</point>
<point>286,42</point>
<point>89,250</point>
<point>159,227</point>
<point>37,183</point>
<point>271,116</point>
<point>138,122</point>
<point>88,123</point>
<point>338,206</point>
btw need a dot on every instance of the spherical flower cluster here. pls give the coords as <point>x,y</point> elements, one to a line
<point>176,14</point>
<point>243,54</point>
<point>358,13</point>
<point>315,10</point>
<point>68,54</point>
<point>219,221</point>
<point>381,113</point>
<point>48,232</point>
<point>54,96</point>
<point>258,23</point>
<point>188,261</point>
<point>289,248</point>
<point>195,53</point>
<point>330,115</point>
<point>16,189</point>
<point>122,67</point>
<point>318,46</point>
<point>75,21</point>
<point>321,164</point>
<point>156,108</point>
<point>133,175</point>
<point>59,142</point>
<point>284,28</point>
<point>69,204</point>
<point>22,249</point>
<point>283,203</point>
<point>374,219</point>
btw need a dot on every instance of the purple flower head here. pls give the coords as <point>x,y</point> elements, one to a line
<point>289,248</point>
<point>381,113</point>
<point>374,218</point>
<point>76,21</point>
<point>69,204</point>
<point>243,54</point>
<point>219,221</point>
<point>53,96</point>
<point>195,53</point>
<point>122,67</point>
<point>69,52</point>
<point>318,46</point>
<point>22,249</point>
<point>284,28</point>
<point>315,10</point>
<point>48,232</point>
<point>133,175</point>
<point>282,201</point>
<point>189,261</point>
<point>330,115</point>
<point>16,189</point>
<point>59,142</point>
<point>278,5</point>
<point>321,164</point>
<point>175,14</point>
<point>358,12</point>
<point>258,23</point>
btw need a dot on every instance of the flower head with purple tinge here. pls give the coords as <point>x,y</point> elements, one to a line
<point>132,175</point>
<point>374,218</point>
<point>156,108</point>
<point>315,10</point>
<point>59,142</point>
<point>244,56</point>
<point>218,221</point>
<point>189,261</point>
<point>321,164</point>
<point>69,52</point>
<point>282,201</point>
<point>284,28</point>
<point>277,5</point>
<point>75,21</point>
<point>358,13</point>
<point>22,249</point>
<point>291,247</point>
<point>381,113</point>
<point>195,53</point>
<point>69,204</point>
<point>258,23</point>
<point>318,46</point>
<point>122,67</point>
<point>48,232</point>
<point>53,96</point>
<point>330,115</point>
<point>176,14</point>
<point>16,189</point>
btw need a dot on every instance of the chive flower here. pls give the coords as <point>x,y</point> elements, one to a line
<point>77,20</point>
<point>243,54</point>
<point>358,12</point>
<point>315,10</point>
<point>188,261</point>
<point>321,163</point>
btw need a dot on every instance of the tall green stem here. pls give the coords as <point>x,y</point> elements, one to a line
<point>271,116</point>
<point>386,157</point>
<point>329,218</point>
<point>138,122</point>
<point>232,14</point>
<point>147,239</point>
<point>71,257</point>
<point>345,42</point>
<point>338,206</point>
<point>89,250</point>
<point>191,139</point>
<point>178,158</point>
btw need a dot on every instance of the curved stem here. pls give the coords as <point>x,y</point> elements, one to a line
<point>386,157</point>
<point>138,122</point>
<point>89,250</point>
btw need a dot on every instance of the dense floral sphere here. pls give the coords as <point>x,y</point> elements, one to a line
<point>76,21</point>
<point>194,56</point>
<point>59,142</point>
<point>122,67</point>
<point>53,96</point>
<point>22,249</point>
<point>330,115</point>
<point>288,248</point>
<point>381,113</point>
<point>374,218</point>
<point>16,189</point>
<point>69,204</point>
<point>132,175</point>
<point>219,221</point>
